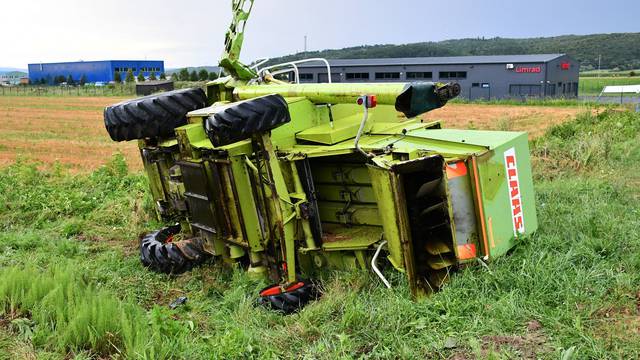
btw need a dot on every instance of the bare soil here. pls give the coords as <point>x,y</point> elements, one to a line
<point>66,130</point>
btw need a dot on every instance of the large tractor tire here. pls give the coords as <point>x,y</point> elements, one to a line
<point>241,120</point>
<point>288,300</point>
<point>152,116</point>
<point>161,254</point>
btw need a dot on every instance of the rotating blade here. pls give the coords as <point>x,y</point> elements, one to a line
<point>428,188</point>
<point>437,248</point>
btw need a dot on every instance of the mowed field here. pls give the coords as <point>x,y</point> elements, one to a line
<point>532,119</point>
<point>70,130</point>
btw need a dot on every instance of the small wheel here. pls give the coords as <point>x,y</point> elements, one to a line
<point>288,300</point>
<point>161,254</point>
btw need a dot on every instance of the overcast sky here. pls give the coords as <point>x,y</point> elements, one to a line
<point>191,32</point>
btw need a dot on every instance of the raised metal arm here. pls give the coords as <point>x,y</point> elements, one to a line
<point>233,42</point>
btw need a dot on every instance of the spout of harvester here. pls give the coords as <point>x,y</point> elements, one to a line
<point>234,39</point>
<point>419,98</point>
<point>412,99</point>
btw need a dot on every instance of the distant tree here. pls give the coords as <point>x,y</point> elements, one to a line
<point>193,76</point>
<point>70,80</point>
<point>163,76</point>
<point>129,78</point>
<point>183,75</point>
<point>153,77</point>
<point>43,81</point>
<point>632,73</point>
<point>203,75</point>
<point>117,77</point>
<point>59,79</point>
<point>213,75</point>
<point>83,79</point>
<point>140,77</point>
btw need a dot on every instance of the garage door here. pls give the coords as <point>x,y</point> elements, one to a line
<point>524,90</point>
<point>323,78</point>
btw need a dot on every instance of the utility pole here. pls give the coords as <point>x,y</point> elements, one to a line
<point>599,61</point>
<point>305,44</point>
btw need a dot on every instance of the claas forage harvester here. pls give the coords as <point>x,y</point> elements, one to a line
<point>288,179</point>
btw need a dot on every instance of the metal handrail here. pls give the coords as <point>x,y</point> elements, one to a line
<point>294,65</point>
<point>258,63</point>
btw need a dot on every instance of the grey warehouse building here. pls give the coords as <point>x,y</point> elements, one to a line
<point>481,77</point>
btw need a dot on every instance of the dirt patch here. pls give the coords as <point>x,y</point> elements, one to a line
<point>531,345</point>
<point>532,119</point>
<point>617,326</point>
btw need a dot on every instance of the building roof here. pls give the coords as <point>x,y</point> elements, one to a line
<point>448,60</point>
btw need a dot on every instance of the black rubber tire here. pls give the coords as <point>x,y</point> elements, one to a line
<point>289,302</point>
<point>239,121</point>
<point>162,256</point>
<point>152,116</point>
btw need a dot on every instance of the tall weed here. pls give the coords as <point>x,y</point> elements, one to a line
<point>69,314</point>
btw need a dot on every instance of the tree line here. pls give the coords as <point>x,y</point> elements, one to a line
<point>186,75</point>
<point>130,78</point>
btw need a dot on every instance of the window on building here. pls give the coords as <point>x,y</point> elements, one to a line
<point>387,75</point>
<point>357,76</point>
<point>306,77</point>
<point>419,75</point>
<point>475,85</point>
<point>453,75</point>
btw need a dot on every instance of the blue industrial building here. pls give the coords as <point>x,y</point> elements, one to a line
<point>93,71</point>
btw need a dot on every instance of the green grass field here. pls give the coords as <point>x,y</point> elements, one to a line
<point>71,285</point>
<point>592,86</point>
<point>605,73</point>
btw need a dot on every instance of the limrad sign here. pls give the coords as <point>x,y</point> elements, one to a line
<point>528,70</point>
<point>515,198</point>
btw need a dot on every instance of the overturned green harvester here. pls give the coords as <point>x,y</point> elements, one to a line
<point>288,179</point>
